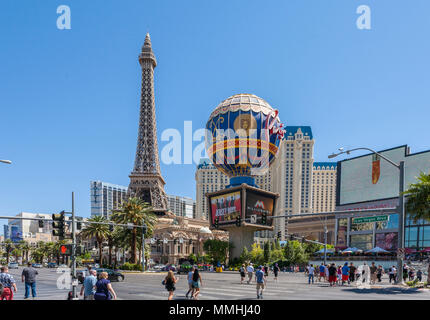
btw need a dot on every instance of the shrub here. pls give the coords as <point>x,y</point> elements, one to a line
<point>131,266</point>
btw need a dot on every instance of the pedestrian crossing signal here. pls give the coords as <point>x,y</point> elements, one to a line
<point>238,221</point>
<point>66,249</point>
<point>40,223</point>
<point>279,234</point>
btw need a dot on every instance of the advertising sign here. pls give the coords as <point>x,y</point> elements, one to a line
<point>370,219</point>
<point>226,207</point>
<point>369,177</point>
<point>256,206</point>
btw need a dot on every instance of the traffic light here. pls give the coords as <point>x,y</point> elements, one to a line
<point>40,223</point>
<point>238,221</point>
<point>66,249</point>
<point>111,228</point>
<point>78,225</point>
<point>59,225</point>
<point>144,229</point>
<point>216,223</point>
<point>264,218</point>
<point>279,234</point>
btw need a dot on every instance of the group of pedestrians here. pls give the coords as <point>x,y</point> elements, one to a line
<point>249,270</point>
<point>100,288</point>
<point>194,279</point>
<point>342,274</point>
<point>8,284</point>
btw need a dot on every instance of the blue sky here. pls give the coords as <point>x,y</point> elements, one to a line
<point>69,99</point>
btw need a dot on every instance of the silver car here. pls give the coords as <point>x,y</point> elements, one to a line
<point>13,265</point>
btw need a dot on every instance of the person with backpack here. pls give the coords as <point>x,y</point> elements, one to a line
<point>104,288</point>
<point>169,282</point>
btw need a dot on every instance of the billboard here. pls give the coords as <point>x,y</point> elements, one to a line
<point>15,234</point>
<point>258,204</point>
<point>369,177</point>
<point>226,207</point>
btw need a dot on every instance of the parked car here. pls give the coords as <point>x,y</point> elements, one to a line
<point>52,265</point>
<point>13,265</point>
<point>112,274</point>
<point>63,266</point>
<point>169,267</point>
<point>36,265</point>
<point>158,267</point>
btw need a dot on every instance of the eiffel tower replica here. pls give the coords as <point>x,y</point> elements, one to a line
<point>146,181</point>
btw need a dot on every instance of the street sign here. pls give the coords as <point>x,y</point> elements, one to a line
<point>253,218</point>
<point>370,219</point>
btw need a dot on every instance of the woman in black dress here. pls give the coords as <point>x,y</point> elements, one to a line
<point>169,283</point>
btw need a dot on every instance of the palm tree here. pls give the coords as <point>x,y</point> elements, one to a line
<point>98,231</point>
<point>418,204</point>
<point>135,211</point>
<point>25,247</point>
<point>9,247</point>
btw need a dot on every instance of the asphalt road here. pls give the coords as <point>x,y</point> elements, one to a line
<point>225,285</point>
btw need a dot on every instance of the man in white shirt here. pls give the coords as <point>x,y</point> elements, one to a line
<point>311,271</point>
<point>250,270</point>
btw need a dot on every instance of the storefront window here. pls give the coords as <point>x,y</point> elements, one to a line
<point>362,226</point>
<point>361,241</point>
<point>387,241</point>
<point>411,237</point>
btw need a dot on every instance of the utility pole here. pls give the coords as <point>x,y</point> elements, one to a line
<point>400,239</point>
<point>73,249</point>
<point>325,241</point>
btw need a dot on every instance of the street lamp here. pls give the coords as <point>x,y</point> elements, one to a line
<point>6,161</point>
<point>401,167</point>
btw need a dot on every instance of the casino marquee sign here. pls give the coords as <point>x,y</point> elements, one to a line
<point>255,207</point>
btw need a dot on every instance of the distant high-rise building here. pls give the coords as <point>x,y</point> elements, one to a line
<point>324,187</point>
<point>182,206</point>
<point>29,230</point>
<point>293,174</point>
<point>106,197</point>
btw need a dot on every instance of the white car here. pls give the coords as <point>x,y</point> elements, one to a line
<point>158,266</point>
<point>13,265</point>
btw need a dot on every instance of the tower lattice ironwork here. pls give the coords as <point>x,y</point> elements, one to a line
<point>146,181</point>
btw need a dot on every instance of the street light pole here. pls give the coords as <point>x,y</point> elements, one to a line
<point>401,207</point>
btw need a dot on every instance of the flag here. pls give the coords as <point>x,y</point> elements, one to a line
<point>376,168</point>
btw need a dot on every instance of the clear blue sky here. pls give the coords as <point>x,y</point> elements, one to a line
<point>69,99</point>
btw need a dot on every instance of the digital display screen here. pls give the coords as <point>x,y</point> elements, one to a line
<point>256,206</point>
<point>226,207</point>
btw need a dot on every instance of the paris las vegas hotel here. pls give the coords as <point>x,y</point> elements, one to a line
<point>304,186</point>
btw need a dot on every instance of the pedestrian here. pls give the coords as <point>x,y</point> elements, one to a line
<point>276,271</point>
<point>419,275</point>
<point>352,269</point>
<point>311,271</point>
<point>326,273</point>
<point>345,273</point>
<point>7,282</point>
<point>379,273</point>
<point>428,271</point>
<point>104,290</point>
<point>169,283</point>
<point>242,273</point>
<point>250,270</point>
<point>339,275</point>
<point>411,274</point>
<point>197,282</point>
<point>405,272</point>
<point>190,282</point>
<point>266,271</point>
<point>391,275</point>
<point>322,272</point>
<point>373,269</point>
<point>332,274</point>
<point>89,285</point>
<point>28,276</point>
<point>261,280</point>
